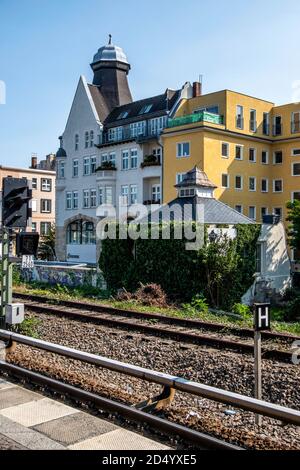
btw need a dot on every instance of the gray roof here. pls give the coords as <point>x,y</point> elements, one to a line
<point>196,177</point>
<point>110,53</point>
<point>215,212</point>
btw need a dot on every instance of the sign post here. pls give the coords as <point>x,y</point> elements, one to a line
<point>262,322</point>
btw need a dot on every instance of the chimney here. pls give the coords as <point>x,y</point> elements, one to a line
<point>34,161</point>
<point>197,89</point>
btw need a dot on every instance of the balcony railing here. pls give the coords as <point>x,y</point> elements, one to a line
<point>127,133</point>
<point>197,117</point>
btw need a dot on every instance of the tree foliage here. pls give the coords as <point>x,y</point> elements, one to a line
<point>294,227</point>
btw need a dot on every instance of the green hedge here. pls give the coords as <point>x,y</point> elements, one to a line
<point>222,271</point>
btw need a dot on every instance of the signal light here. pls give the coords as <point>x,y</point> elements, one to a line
<point>16,195</point>
<point>27,243</point>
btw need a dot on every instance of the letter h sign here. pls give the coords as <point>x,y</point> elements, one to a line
<point>262,317</point>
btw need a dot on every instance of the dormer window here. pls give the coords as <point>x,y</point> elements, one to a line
<point>145,109</point>
<point>187,192</point>
<point>123,115</point>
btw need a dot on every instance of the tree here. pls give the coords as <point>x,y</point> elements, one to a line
<point>294,227</point>
<point>46,249</point>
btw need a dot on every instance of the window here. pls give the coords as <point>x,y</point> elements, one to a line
<point>157,153</point>
<point>252,212</point>
<point>266,124</point>
<point>296,169</point>
<point>239,182</point>
<point>86,166</point>
<point>92,139</point>
<point>252,155</point>
<point>81,233</point>
<point>145,109</point>
<point>45,228</point>
<point>100,196</point>
<point>278,211</point>
<point>277,126</point>
<point>125,160</point>
<point>156,193</point>
<point>277,186</point>
<point>93,198</point>
<point>133,158</point>
<point>264,185</point>
<point>46,205</point>
<point>252,183</point>
<point>265,157</point>
<point>225,150</point>
<point>253,126</point>
<point>296,195</point>
<point>87,140</point>
<point>296,122</point>
<point>108,195</point>
<point>240,117</point>
<point>75,171</point>
<point>123,115</point>
<point>239,150</point>
<point>183,149</point>
<point>46,184</point>
<point>277,158</point>
<point>157,125</point>
<point>61,170</point>
<point>86,199</point>
<point>34,205</point>
<point>34,183</point>
<point>76,142</point>
<point>187,192</point>
<point>124,194</point>
<point>112,158</point>
<point>179,177</point>
<point>104,158</point>
<point>225,181</point>
<point>133,194</point>
<point>239,208</point>
<point>75,199</point>
<point>263,212</point>
<point>137,128</point>
<point>208,109</point>
<point>93,165</point>
<point>296,153</point>
<point>69,200</point>
<point>34,227</point>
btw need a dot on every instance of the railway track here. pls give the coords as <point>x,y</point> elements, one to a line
<point>178,329</point>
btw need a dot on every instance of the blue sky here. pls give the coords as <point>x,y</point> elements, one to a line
<point>45,45</point>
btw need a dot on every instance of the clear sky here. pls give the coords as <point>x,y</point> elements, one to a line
<point>250,46</point>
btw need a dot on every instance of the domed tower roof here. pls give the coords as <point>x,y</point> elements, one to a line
<point>61,153</point>
<point>111,67</point>
<point>109,53</point>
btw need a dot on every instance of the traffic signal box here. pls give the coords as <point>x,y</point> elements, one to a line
<point>16,195</point>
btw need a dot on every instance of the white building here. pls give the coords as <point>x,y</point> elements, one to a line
<point>110,148</point>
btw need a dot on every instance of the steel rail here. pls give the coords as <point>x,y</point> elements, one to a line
<point>188,322</point>
<point>129,412</point>
<point>176,335</point>
<point>178,383</point>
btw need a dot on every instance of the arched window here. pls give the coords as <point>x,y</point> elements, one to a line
<point>92,139</point>
<point>76,142</point>
<point>81,232</point>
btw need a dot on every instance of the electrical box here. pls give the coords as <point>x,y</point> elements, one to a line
<point>14,313</point>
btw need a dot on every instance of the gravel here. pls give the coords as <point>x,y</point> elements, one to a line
<point>223,369</point>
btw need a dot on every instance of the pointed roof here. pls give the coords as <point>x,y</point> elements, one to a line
<point>196,177</point>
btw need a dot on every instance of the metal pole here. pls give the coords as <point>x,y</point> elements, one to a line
<point>257,372</point>
<point>6,276</point>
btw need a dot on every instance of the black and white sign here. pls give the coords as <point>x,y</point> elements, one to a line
<point>262,317</point>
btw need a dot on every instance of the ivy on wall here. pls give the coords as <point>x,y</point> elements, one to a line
<point>222,271</point>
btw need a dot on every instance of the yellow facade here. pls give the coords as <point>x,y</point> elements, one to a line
<point>261,178</point>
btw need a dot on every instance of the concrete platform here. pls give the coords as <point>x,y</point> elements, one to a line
<point>29,421</point>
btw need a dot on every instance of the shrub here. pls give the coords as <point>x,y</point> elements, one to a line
<point>199,303</point>
<point>29,327</point>
<point>150,295</point>
<point>243,310</point>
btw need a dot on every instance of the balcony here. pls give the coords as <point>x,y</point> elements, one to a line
<point>194,118</point>
<point>127,134</point>
<point>149,203</point>
<point>106,171</point>
<point>150,160</point>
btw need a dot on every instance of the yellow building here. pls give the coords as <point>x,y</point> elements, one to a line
<point>248,147</point>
